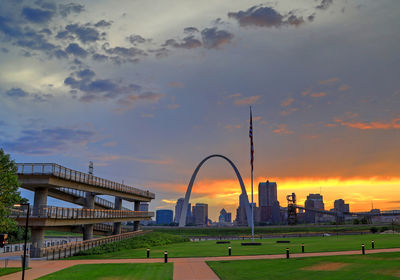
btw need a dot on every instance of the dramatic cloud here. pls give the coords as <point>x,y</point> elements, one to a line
<point>16,92</point>
<point>318,94</point>
<point>76,50</point>
<point>394,124</point>
<point>49,141</point>
<point>214,39</point>
<point>329,81</point>
<point>67,9</point>
<point>248,100</point>
<point>85,34</point>
<point>324,4</point>
<point>37,15</point>
<point>123,55</point>
<point>136,39</point>
<point>265,17</point>
<point>188,42</point>
<point>103,23</point>
<point>190,30</point>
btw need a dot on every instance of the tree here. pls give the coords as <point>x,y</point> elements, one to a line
<point>9,194</point>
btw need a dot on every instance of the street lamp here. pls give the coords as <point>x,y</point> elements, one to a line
<point>26,236</point>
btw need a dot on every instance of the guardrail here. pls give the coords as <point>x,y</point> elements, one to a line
<point>110,228</point>
<point>69,249</point>
<point>98,200</point>
<point>59,171</point>
<point>53,212</point>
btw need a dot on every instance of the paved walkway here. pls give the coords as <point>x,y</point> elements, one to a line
<point>184,268</point>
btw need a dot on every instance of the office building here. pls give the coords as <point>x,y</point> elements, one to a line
<point>178,211</point>
<point>314,201</point>
<point>225,217</point>
<point>340,206</point>
<point>200,214</point>
<point>268,203</point>
<point>164,217</point>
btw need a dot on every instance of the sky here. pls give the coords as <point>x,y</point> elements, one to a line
<point>147,89</point>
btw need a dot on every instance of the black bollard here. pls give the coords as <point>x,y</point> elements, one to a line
<point>165,257</point>
<point>229,251</point>
<point>287,253</point>
<point>373,244</point>
<point>148,253</point>
<point>302,248</point>
<point>363,249</point>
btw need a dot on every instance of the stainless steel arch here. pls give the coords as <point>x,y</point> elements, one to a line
<point>182,220</point>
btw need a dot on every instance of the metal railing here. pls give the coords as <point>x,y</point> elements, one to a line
<point>69,249</point>
<point>98,200</point>
<point>59,171</point>
<point>110,228</point>
<point>53,212</point>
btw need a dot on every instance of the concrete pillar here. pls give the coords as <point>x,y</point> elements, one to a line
<point>136,208</point>
<point>117,206</point>
<point>37,239</point>
<point>89,204</point>
<point>40,200</point>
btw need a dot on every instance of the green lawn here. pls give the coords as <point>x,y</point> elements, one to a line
<point>238,231</point>
<point>383,266</point>
<point>269,246</point>
<point>114,271</point>
<point>9,270</point>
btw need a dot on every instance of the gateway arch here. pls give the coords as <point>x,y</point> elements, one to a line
<point>182,220</point>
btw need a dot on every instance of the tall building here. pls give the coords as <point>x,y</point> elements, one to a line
<point>268,203</point>
<point>178,211</point>
<point>164,216</point>
<point>340,206</point>
<point>241,218</point>
<point>314,201</point>
<point>200,213</point>
<point>225,217</point>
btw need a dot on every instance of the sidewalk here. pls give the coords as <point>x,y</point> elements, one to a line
<point>184,268</point>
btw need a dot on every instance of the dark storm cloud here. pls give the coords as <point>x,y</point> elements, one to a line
<point>213,38</point>
<point>16,92</point>
<point>37,15</point>
<point>99,57</point>
<point>85,34</point>
<point>188,42</point>
<point>76,50</point>
<point>324,4</point>
<point>60,54</point>
<point>8,28</point>
<point>49,141</point>
<point>34,41</point>
<point>67,9</point>
<point>265,17</point>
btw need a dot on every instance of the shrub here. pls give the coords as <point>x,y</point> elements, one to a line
<point>374,230</point>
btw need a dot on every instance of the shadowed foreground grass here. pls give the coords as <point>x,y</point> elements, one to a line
<point>137,271</point>
<point>269,246</point>
<point>9,270</point>
<point>384,266</point>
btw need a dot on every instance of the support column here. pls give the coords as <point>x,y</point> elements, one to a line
<point>37,238</point>
<point>37,241</point>
<point>136,208</point>
<point>89,204</point>
<point>117,206</point>
<point>39,200</point>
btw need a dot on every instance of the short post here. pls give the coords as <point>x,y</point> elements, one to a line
<point>302,248</point>
<point>165,257</point>
<point>287,253</point>
<point>6,263</point>
<point>229,251</point>
<point>373,244</point>
<point>148,253</point>
<point>363,249</point>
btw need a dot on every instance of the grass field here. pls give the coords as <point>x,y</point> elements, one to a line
<point>135,271</point>
<point>269,246</point>
<point>235,231</point>
<point>384,266</point>
<point>9,270</point>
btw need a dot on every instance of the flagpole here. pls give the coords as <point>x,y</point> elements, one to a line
<point>252,207</point>
<point>251,164</point>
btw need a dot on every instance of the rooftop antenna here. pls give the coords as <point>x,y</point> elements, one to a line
<point>372,204</point>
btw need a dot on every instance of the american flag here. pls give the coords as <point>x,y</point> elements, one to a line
<point>251,141</point>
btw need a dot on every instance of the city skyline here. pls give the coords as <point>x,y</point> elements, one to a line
<point>146,91</point>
